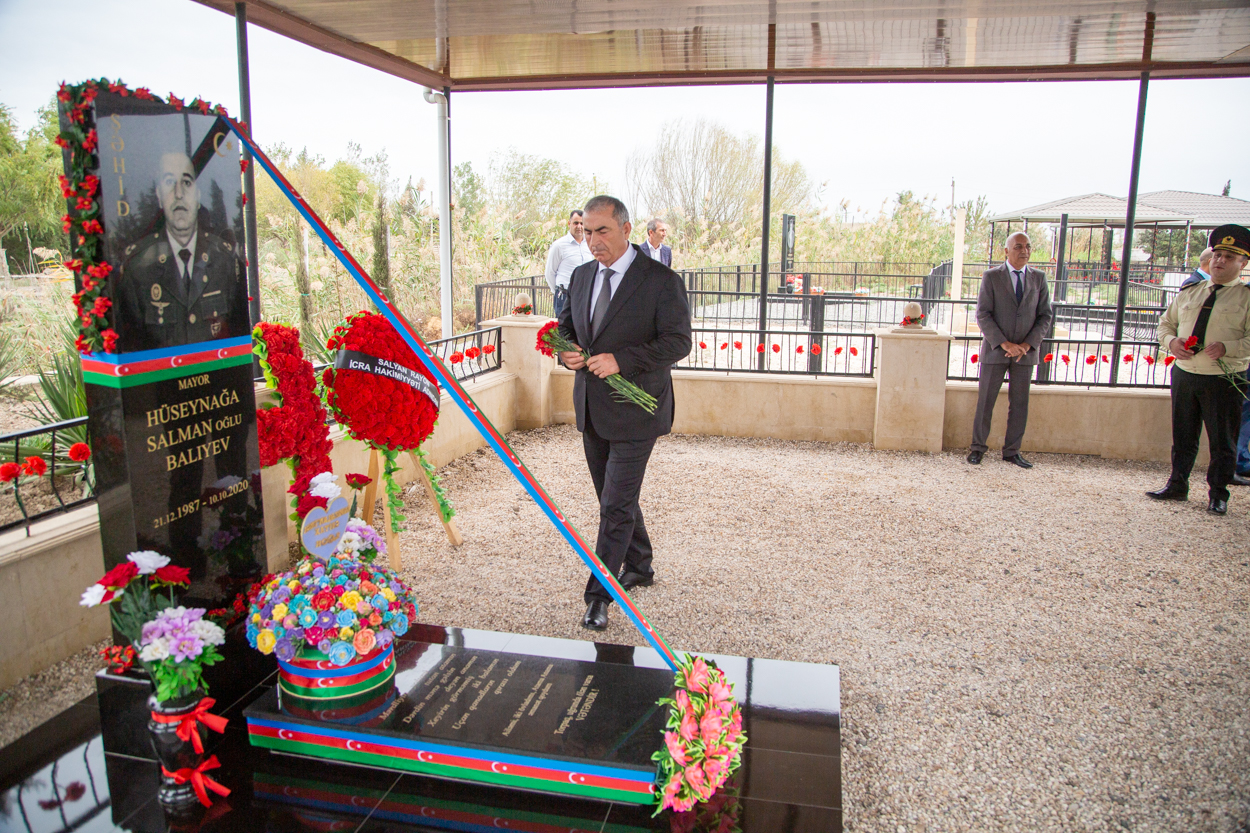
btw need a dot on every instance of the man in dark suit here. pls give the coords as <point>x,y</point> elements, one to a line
<point>183,283</point>
<point>653,247</point>
<point>1013,312</point>
<point>631,314</point>
<point>1200,274</point>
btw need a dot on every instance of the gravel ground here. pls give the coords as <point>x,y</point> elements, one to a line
<point>1020,650</point>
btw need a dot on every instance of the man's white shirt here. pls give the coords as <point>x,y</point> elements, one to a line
<point>565,255</point>
<point>619,268</point>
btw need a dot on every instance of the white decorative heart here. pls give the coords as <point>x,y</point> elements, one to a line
<point>323,528</point>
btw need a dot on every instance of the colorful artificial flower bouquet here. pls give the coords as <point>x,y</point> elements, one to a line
<point>551,341</point>
<point>341,607</point>
<point>174,643</point>
<point>703,741</point>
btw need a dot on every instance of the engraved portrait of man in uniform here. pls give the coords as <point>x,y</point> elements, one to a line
<point>183,282</point>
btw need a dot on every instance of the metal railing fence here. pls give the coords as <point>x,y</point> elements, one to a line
<point>69,483</point>
<point>795,352</point>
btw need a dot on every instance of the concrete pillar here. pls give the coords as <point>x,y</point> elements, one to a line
<point>532,369</point>
<point>911,389</point>
<point>957,261</point>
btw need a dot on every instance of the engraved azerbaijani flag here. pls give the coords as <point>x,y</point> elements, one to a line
<point>124,370</point>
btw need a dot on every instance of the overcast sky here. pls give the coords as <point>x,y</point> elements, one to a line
<point>1018,144</point>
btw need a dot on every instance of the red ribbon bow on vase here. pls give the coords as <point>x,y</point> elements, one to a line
<point>200,782</point>
<point>186,723</point>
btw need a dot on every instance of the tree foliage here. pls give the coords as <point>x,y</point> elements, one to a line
<point>30,202</point>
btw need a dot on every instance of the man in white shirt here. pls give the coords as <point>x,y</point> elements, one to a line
<point>565,255</point>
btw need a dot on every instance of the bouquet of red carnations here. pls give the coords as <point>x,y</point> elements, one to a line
<point>551,341</point>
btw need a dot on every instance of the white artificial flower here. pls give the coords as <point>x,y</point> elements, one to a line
<point>323,485</point>
<point>93,595</point>
<point>209,632</point>
<point>147,561</point>
<point>350,542</point>
<point>157,649</point>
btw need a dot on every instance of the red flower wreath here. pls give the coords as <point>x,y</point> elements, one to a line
<point>385,412</point>
<point>296,429</point>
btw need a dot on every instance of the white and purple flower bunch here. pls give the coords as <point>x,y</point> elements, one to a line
<point>361,542</point>
<point>177,645</point>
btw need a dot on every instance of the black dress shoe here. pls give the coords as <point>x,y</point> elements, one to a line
<point>630,580</point>
<point>1240,480</point>
<point>1169,492</point>
<point>974,457</point>
<point>1019,460</point>
<point>596,618</point>
<point>1217,506</point>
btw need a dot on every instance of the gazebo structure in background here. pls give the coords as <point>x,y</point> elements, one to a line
<point>475,45</point>
<point>1171,211</point>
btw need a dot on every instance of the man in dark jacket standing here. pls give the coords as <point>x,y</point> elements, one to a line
<point>631,314</point>
<point>1013,312</point>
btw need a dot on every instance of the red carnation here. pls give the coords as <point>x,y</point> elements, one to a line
<point>456,357</point>
<point>80,452</point>
<point>1128,357</point>
<point>1065,358</point>
<point>1048,358</point>
<point>169,574</point>
<point>242,166</point>
<point>308,503</point>
<point>1150,360</point>
<point>1091,359</point>
<point>488,349</point>
<point>1168,360</point>
<point>358,481</point>
<point>759,348</point>
<point>8,471</point>
<point>120,576</point>
<point>702,345</point>
<point>854,351</point>
<point>776,348</point>
<point>737,345</point>
<point>34,466</point>
<point>815,349</point>
<point>543,346</point>
<point>1106,360</point>
<point>472,353</point>
<point>975,358</point>
<point>1191,342</point>
<point>837,351</point>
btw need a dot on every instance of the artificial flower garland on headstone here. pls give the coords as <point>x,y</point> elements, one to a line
<point>81,222</point>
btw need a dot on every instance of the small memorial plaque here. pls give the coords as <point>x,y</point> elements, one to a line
<point>323,528</point>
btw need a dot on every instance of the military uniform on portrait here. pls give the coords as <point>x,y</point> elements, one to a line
<point>164,309</point>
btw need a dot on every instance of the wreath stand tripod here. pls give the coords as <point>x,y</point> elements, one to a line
<point>370,498</point>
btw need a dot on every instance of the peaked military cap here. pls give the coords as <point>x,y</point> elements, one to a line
<point>1231,237</point>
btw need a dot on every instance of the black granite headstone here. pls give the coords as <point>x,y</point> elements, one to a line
<point>172,415</point>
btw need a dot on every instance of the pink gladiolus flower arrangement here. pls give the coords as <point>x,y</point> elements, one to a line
<point>703,740</point>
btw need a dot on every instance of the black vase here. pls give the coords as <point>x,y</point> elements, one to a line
<point>173,752</point>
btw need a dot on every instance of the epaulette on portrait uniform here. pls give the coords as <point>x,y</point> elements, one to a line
<point>1193,286</point>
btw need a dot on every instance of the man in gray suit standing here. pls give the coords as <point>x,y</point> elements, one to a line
<point>1013,312</point>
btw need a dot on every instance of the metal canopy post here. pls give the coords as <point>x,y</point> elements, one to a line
<point>768,189</point>
<point>249,177</point>
<point>442,99</point>
<point>1122,297</point>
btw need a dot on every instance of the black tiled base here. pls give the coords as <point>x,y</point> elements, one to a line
<point>790,779</point>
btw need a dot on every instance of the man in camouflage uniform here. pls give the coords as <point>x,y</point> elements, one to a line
<point>183,283</point>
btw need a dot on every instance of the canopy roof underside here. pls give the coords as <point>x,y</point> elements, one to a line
<point>551,44</point>
<point>1166,209</point>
